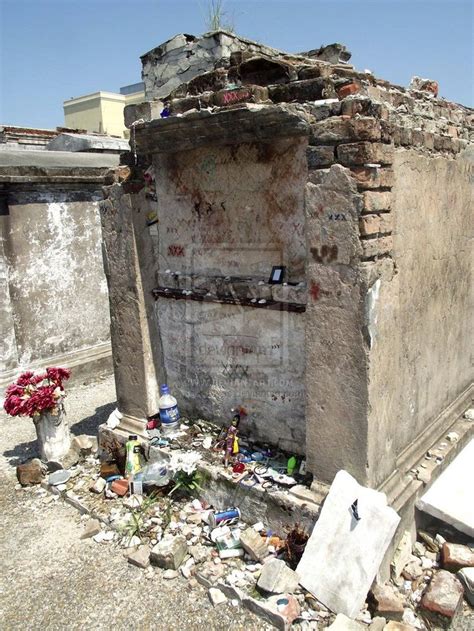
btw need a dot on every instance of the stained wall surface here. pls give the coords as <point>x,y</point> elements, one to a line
<point>56,300</point>
<point>421,359</point>
<point>231,214</point>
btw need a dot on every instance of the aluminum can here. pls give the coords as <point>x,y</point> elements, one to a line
<point>225,517</point>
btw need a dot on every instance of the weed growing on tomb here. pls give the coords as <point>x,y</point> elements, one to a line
<point>217,17</point>
<point>138,517</point>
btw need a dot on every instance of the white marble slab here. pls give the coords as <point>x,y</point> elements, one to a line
<point>451,496</point>
<point>344,554</point>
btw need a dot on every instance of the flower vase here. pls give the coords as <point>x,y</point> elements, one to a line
<point>54,439</point>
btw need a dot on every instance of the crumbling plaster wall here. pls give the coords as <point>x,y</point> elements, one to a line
<point>234,212</point>
<point>183,57</point>
<point>422,322</point>
<point>57,292</point>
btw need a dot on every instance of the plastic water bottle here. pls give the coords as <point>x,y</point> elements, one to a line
<point>169,413</point>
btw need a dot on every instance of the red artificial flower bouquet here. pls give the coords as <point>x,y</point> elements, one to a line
<point>33,394</point>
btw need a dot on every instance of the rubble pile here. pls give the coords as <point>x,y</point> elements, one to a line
<point>179,538</point>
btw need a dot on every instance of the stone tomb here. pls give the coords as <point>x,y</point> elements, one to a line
<point>358,360</point>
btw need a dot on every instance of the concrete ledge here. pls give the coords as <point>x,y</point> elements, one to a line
<point>87,365</point>
<point>278,509</point>
<point>403,488</point>
<point>416,450</point>
<point>177,294</point>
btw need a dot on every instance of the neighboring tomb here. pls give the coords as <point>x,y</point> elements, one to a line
<point>54,303</point>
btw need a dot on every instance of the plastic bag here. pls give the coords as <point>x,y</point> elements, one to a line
<point>156,473</point>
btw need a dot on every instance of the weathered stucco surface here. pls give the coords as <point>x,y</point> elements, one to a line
<point>336,354</point>
<point>130,270</point>
<point>421,360</point>
<point>8,349</point>
<point>57,285</point>
<point>54,300</point>
<point>236,212</point>
<point>221,356</point>
<point>233,210</point>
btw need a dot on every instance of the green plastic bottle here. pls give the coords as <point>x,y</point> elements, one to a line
<point>291,465</point>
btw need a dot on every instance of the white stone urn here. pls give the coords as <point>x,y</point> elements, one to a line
<point>54,439</point>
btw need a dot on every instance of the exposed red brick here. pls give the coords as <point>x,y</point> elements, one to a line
<point>374,200</point>
<point>377,247</point>
<point>338,129</point>
<point>443,595</point>
<point>375,224</point>
<point>358,153</point>
<point>455,556</point>
<point>120,487</point>
<point>346,90</point>
<point>369,177</point>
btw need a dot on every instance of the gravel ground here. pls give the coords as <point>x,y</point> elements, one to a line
<point>50,579</point>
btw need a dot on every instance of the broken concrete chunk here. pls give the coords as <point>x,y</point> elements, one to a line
<point>254,544</point>
<point>169,553</point>
<point>133,502</point>
<point>402,554</point>
<point>398,626</point>
<point>469,414</point>
<point>377,624</point>
<point>343,623</point>
<point>140,558</point>
<point>98,486</point>
<point>199,553</point>
<point>216,596</point>
<point>428,86</point>
<point>386,601</point>
<point>194,518</point>
<point>84,445</point>
<point>466,576</point>
<point>70,459</point>
<point>413,569</point>
<point>91,529</point>
<point>276,577</point>
<point>347,545</point>
<point>278,610</point>
<point>30,472</point>
<point>104,536</point>
<point>442,599</point>
<point>455,556</point>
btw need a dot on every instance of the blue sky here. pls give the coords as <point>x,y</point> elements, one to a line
<point>51,50</point>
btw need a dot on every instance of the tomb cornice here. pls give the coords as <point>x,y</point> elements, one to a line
<point>225,127</point>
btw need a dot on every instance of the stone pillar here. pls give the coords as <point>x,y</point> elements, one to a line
<point>130,276</point>
<point>336,352</point>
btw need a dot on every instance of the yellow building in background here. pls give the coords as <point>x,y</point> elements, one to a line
<point>102,112</point>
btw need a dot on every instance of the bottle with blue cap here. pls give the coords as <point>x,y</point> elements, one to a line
<point>169,413</point>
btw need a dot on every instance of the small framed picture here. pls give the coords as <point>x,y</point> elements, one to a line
<point>277,275</point>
